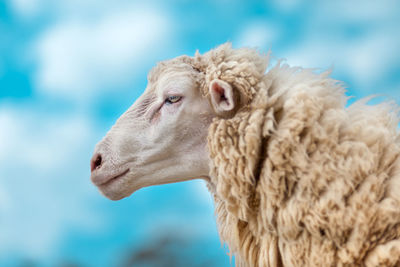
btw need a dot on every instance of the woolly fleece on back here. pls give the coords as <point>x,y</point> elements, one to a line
<point>298,179</point>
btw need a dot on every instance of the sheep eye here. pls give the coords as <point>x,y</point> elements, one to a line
<point>172,99</point>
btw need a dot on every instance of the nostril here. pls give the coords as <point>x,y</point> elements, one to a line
<point>96,162</point>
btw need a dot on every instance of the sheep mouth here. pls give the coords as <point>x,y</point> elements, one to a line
<point>112,179</point>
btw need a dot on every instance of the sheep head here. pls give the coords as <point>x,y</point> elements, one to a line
<point>162,137</point>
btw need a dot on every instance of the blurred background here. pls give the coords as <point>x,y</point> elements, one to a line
<point>69,68</point>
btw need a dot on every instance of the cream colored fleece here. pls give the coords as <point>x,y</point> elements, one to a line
<point>298,179</point>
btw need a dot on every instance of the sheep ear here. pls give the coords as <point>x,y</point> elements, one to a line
<point>222,97</point>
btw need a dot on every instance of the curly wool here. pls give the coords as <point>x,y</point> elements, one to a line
<point>298,179</point>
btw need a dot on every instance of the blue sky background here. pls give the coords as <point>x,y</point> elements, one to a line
<point>69,68</point>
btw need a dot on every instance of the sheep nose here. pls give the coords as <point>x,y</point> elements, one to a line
<point>96,162</point>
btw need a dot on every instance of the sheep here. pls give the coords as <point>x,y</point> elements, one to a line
<point>297,178</point>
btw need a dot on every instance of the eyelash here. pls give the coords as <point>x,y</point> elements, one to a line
<point>172,99</point>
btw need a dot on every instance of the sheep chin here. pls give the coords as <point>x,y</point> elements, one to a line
<point>121,187</point>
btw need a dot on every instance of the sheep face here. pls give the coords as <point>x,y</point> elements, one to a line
<point>160,139</point>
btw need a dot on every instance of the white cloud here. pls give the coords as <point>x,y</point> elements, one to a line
<point>38,139</point>
<point>44,179</point>
<point>78,57</point>
<point>365,60</point>
<point>26,8</point>
<point>357,10</point>
<point>33,9</point>
<point>372,58</point>
<point>259,33</point>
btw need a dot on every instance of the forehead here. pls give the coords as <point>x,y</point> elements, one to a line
<point>169,74</point>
